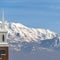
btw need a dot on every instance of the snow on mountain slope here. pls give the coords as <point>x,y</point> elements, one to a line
<point>23,38</point>
<point>28,34</point>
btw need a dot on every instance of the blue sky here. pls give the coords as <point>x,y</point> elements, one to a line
<point>33,13</point>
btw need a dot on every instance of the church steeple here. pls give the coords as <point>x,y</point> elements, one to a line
<point>3,41</point>
<point>3,31</point>
<point>3,24</point>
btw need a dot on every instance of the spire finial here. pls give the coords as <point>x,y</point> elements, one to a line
<point>3,25</point>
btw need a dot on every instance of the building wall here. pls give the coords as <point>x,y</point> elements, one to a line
<point>5,55</point>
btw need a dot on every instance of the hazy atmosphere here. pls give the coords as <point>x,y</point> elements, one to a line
<point>33,28</point>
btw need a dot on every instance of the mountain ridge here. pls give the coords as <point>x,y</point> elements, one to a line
<point>22,38</point>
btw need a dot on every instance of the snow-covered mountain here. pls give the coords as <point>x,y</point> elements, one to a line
<point>22,38</point>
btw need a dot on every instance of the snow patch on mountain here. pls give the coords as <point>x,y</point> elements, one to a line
<point>22,32</point>
<point>24,38</point>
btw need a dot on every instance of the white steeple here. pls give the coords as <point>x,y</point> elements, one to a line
<point>3,24</point>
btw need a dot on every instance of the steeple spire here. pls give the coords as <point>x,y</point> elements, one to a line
<point>3,24</point>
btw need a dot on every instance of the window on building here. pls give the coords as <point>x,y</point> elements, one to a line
<point>2,52</point>
<point>3,38</point>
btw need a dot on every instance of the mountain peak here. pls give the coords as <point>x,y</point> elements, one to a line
<point>24,33</point>
<point>28,34</point>
<point>20,35</point>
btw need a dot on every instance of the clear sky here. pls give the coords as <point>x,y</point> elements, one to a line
<point>33,13</point>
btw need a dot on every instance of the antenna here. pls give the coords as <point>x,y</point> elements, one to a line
<point>3,24</point>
